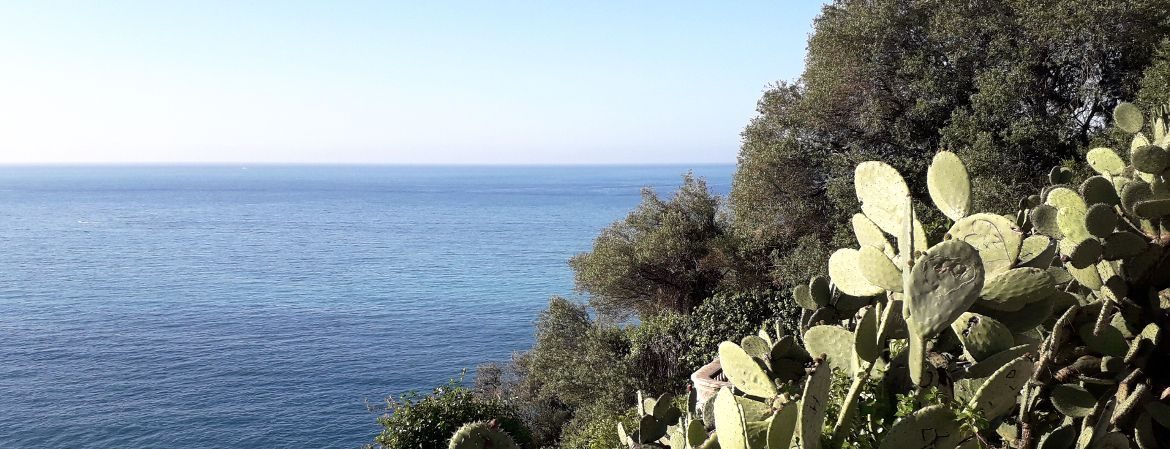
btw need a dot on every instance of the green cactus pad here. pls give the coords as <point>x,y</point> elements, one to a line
<point>892,324</point>
<point>1150,159</point>
<point>949,185</point>
<point>1143,433</point>
<point>782,427</point>
<point>1026,318</point>
<point>1112,440</point>
<point>866,343</point>
<point>788,348</point>
<point>1013,289</point>
<point>1101,220</point>
<point>993,363</point>
<point>756,347</point>
<point>822,315</point>
<point>1037,251</point>
<point>1087,277</point>
<point>1066,198</point>
<point>1061,438</point>
<point>814,402</point>
<point>834,342</point>
<point>943,284</point>
<point>867,232</point>
<point>1139,140</point>
<point>982,336</point>
<point>878,269</point>
<point>696,433</point>
<point>1072,224</point>
<point>1073,400</point>
<point>803,297</point>
<point>745,372</point>
<point>1060,175</point>
<point>1105,161</point>
<point>882,193</point>
<point>649,429</point>
<point>845,271</point>
<point>1152,209</point>
<point>1085,253</point>
<point>996,238</point>
<point>1108,342</point>
<point>1128,118</point>
<point>729,420</point>
<point>934,426</point>
<point>1043,219</point>
<point>998,395</point>
<point>1134,193</point>
<point>1098,190</point>
<point>818,287</point>
<point>480,435</point>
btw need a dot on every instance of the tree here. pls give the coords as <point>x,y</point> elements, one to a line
<point>1013,86</point>
<point>664,256</point>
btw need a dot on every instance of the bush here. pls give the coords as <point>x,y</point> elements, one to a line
<point>416,421</point>
<point>596,429</point>
<point>731,316</point>
<point>657,349</point>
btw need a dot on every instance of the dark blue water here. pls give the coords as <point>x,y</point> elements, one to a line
<point>218,307</point>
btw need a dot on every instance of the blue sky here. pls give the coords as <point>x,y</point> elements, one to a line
<point>389,82</point>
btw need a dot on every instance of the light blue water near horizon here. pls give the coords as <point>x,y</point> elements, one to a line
<point>223,307</point>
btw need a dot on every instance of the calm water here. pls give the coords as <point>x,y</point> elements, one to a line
<point>217,307</point>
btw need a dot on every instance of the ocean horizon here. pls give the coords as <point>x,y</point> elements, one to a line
<point>207,305</point>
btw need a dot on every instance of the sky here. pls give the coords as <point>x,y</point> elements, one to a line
<point>385,82</point>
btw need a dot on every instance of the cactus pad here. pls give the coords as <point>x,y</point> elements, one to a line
<point>814,402</point>
<point>1128,117</point>
<point>803,297</point>
<point>991,364</point>
<point>1152,209</point>
<point>949,185</point>
<point>882,193</point>
<point>1043,219</point>
<point>942,285</point>
<point>1036,251</point>
<point>1106,161</point>
<point>481,435</point>
<point>845,271</point>
<point>834,342</point>
<point>729,420</point>
<point>1073,400</point>
<point>783,427</point>
<point>996,238</point>
<point>1149,158</point>
<point>878,269</point>
<point>744,371</point>
<point>818,287</point>
<point>1100,220</point>
<point>868,233</point>
<point>932,427</point>
<point>1015,288</point>
<point>998,394</point>
<point>982,336</point>
<point>1098,190</point>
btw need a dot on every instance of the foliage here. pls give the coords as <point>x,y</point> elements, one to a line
<point>664,256</point>
<point>728,316</point>
<point>659,347</point>
<point>594,430</point>
<point>417,421</point>
<point>1012,86</point>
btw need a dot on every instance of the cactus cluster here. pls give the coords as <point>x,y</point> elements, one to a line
<point>1044,328</point>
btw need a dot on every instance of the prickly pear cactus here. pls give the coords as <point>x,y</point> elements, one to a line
<point>1045,327</point>
<point>481,435</point>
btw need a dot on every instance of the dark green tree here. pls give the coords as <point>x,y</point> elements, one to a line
<point>664,256</point>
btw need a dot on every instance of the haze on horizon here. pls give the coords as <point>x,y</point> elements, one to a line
<point>389,82</point>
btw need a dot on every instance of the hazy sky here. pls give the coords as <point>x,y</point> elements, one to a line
<point>389,82</point>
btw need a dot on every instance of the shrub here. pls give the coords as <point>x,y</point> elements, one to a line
<point>417,421</point>
<point>594,429</point>
<point>730,316</point>
<point>657,358</point>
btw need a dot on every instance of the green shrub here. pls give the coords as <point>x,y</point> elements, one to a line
<point>658,346</point>
<point>594,429</point>
<point>730,316</point>
<point>417,421</point>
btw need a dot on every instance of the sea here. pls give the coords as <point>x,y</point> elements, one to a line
<point>275,306</point>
